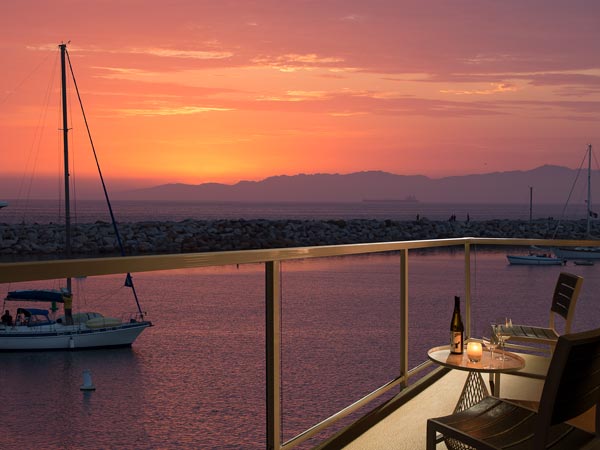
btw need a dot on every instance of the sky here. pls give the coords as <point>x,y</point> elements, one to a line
<point>195,91</point>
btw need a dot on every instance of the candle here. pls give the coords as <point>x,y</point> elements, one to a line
<point>474,351</point>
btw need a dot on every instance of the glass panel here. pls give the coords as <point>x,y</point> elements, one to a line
<point>340,332</point>
<point>435,277</point>
<point>193,380</point>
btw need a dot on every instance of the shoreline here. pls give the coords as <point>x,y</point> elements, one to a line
<point>190,236</point>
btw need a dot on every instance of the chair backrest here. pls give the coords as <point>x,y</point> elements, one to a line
<point>572,385</point>
<point>565,297</point>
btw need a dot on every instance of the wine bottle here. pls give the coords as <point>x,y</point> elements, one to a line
<point>457,330</point>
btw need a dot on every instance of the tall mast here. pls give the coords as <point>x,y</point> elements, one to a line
<point>589,187</point>
<point>65,129</point>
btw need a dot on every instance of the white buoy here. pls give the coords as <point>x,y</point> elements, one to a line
<point>87,381</point>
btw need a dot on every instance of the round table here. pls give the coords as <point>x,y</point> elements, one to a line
<point>442,356</point>
<point>475,389</point>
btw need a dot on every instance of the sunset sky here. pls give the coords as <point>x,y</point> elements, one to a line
<point>198,91</point>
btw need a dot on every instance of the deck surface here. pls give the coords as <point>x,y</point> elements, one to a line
<point>406,427</point>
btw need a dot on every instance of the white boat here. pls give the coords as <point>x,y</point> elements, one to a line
<point>583,253</point>
<point>534,260</point>
<point>33,328</point>
<point>586,262</point>
<point>537,256</point>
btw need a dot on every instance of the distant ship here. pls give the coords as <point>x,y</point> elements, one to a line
<point>407,199</point>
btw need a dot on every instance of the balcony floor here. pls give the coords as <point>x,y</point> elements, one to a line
<point>405,428</point>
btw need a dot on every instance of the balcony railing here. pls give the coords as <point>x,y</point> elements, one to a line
<point>272,259</point>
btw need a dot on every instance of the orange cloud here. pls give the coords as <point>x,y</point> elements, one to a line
<point>497,88</point>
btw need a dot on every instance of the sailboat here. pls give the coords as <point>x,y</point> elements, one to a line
<point>583,253</point>
<point>534,259</point>
<point>536,256</point>
<point>36,328</point>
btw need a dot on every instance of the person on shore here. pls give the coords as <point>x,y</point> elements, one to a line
<point>7,319</point>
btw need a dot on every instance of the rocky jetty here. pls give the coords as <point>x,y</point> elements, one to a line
<point>219,235</point>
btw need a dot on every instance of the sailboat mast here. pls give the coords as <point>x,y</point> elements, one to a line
<point>589,190</point>
<point>65,129</point>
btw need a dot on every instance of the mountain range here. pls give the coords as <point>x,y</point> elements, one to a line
<point>550,184</point>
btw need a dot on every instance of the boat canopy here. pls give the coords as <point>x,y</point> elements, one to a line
<point>36,295</point>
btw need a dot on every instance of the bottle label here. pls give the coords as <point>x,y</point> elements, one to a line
<point>456,342</point>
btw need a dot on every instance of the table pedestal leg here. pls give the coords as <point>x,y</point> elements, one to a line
<point>473,392</point>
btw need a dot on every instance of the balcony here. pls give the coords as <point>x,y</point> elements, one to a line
<point>394,413</point>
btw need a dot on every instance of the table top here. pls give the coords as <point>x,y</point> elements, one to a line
<point>441,355</point>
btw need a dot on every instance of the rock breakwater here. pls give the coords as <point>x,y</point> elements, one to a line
<point>221,235</point>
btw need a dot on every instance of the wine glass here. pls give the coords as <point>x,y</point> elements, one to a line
<point>503,333</point>
<point>492,344</point>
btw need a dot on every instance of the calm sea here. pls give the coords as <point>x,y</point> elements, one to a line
<point>196,379</point>
<point>45,211</point>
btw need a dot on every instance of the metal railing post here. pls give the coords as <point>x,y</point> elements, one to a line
<point>404,317</point>
<point>273,348</point>
<point>468,288</point>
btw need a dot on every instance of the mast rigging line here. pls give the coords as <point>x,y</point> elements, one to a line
<point>32,156</point>
<point>128,280</point>
<point>587,156</point>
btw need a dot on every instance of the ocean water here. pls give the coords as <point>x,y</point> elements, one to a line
<point>197,378</point>
<point>46,211</point>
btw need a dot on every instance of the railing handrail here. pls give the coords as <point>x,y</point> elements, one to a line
<point>55,269</point>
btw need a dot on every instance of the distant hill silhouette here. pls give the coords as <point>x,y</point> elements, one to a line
<point>551,184</point>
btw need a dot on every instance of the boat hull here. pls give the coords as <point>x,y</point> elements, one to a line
<point>534,260</point>
<point>70,338</point>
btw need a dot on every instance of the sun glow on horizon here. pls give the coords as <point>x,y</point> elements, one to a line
<point>199,94</point>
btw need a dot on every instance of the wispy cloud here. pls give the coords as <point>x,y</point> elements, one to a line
<point>352,18</point>
<point>292,61</point>
<point>170,111</point>
<point>179,53</point>
<point>493,58</point>
<point>496,88</point>
<point>348,113</point>
<point>150,51</point>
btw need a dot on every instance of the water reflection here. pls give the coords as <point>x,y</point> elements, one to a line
<point>40,391</point>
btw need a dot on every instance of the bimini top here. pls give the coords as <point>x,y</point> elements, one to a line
<point>36,295</point>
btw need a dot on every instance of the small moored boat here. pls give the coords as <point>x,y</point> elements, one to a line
<point>583,253</point>
<point>584,262</point>
<point>534,260</point>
